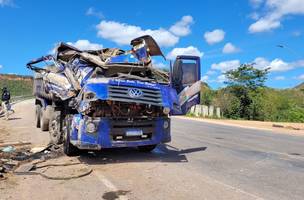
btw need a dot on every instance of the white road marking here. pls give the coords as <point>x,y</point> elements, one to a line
<point>108,184</point>
<point>237,189</point>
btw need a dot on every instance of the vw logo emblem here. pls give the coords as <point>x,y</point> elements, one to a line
<point>135,93</point>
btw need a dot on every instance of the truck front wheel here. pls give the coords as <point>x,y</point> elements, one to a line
<point>147,148</point>
<point>45,116</point>
<point>68,148</point>
<point>54,128</point>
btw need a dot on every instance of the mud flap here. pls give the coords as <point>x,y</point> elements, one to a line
<point>186,80</point>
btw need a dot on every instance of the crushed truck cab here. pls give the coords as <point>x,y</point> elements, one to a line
<point>112,98</point>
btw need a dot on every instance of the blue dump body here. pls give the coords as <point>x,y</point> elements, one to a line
<point>111,132</point>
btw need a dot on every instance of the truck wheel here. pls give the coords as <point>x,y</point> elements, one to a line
<point>45,118</point>
<point>54,128</point>
<point>147,148</point>
<point>37,115</point>
<point>68,148</point>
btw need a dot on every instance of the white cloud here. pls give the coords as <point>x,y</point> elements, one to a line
<point>210,72</point>
<point>261,63</point>
<point>277,65</point>
<point>205,78</point>
<point>264,24</point>
<point>230,48</point>
<point>122,33</point>
<point>221,78</point>
<point>190,50</point>
<point>6,3</point>
<point>301,77</point>
<point>85,45</point>
<point>279,78</point>
<point>254,16</point>
<point>182,27</point>
<point>276,10</point>
<point>93,12</point>
<point>280,65</point>
<point>226,65</point>
<point>1,66</point>
<point>214,36</point>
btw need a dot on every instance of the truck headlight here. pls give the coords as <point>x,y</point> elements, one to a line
<point>91,127</point>
<point>166,110</point>
<point>166,124</point>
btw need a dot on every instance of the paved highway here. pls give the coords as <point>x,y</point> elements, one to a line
<point>203,161</point>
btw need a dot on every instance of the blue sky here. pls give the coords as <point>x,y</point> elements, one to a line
<point>223,34</point>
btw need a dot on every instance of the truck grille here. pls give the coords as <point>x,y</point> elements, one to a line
<point>149,96</point>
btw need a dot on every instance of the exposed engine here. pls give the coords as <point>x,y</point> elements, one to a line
<point>122,110</point>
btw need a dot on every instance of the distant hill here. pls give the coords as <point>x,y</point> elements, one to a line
<point>300,87</point>
<point>17,84</point>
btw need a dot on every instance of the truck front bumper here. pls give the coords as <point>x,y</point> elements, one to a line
<point>114,133</point>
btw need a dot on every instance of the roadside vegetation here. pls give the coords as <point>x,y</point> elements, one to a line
<point>246,97</point>
<point>17,85</point>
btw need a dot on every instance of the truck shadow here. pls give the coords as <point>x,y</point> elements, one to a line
<point>163,153</point>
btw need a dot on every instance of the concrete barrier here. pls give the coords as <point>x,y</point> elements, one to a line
<point>205,111</point>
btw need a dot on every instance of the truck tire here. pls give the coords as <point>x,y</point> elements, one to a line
<point>54,128</point>
<point>37,115</point>
<point>147,148</point>
<point>45,118</point>
<point>68,148</point>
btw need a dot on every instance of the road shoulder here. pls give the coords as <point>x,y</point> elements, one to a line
<point>257,125</point>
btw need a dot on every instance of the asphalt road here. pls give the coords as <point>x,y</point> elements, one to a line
<point>203,161</point>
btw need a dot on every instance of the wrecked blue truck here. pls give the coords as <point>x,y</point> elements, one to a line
<point>111,98</point>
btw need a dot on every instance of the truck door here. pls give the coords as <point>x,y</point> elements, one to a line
<point>185,79</point>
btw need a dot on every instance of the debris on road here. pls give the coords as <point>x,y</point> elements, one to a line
<point>14,157</point>
<point>71,170</point>
<point>287,127</point>
<point>293,128</point>
<point>8,149</point>
<point>40,149</point>
<point>28,161</point>
<point>277,125</point>
<point>14,144</point>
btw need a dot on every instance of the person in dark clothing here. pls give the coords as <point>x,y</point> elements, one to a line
<point>5,98</point>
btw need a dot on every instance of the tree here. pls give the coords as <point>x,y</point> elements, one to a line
<point>245,84</point>
<point>247,76</point>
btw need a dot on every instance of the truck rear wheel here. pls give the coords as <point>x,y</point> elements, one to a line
<point>54,128</point>
<point>37,115</point>
<point>45,118</point>
<point>147,148</point>
<point>68,148</point>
